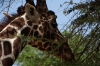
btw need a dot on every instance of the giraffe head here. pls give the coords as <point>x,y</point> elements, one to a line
<point>49,29</point>
<point>46,28</point>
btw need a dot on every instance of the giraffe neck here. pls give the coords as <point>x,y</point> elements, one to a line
<point>10,40</point>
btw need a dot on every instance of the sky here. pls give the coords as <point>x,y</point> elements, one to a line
<point>61,18</point>
<point>53,5</point>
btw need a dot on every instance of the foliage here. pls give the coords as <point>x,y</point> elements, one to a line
<point>33,57</point>
<point>85,32</point>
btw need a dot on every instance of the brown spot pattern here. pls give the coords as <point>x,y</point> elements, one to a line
<point>29,23</point>
<point>7,47</point>
<point>17,46</point>
<point>8,33</point>
<point>25,31</point>
<point>18,23</point>
<point>41,29</point>
<point>36,33</point>
<point>0,49</point>
<point>7,62</point>
<point>35,27</point>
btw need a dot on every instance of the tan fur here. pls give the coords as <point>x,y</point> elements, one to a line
<point>8,16</point>
<point>36,14</point>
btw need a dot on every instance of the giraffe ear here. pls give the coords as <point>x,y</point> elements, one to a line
<point>31,12</point>
<point>8,16</point>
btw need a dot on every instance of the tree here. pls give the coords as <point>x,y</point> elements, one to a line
<point>84,34</point>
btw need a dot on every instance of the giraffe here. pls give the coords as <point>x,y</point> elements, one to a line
<point>42,24</point>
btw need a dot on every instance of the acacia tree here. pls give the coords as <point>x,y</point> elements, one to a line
<point>85,31</point>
